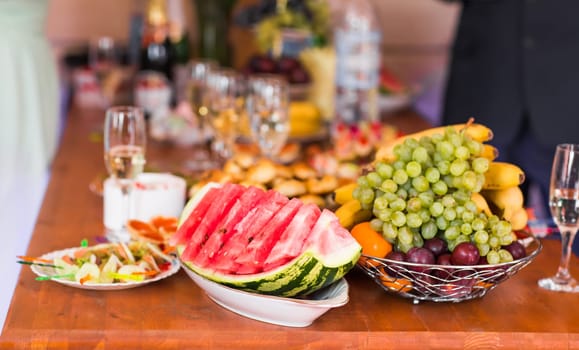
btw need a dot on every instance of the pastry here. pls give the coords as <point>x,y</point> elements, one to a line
<point>283,171</point>
<point>289,153</point>
<point>263,171</point>
<point>291,188</point>
<point>314,199</point>
<point>325,184</point>
<point>303,171</point>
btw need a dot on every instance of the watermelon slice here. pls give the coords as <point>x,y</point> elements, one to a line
<point>324,251</point>
<point>245,230</point>
<point>389,83</point>
<point>255,253</point>
<point>227,196</point>
<point>224,231</point>
<point>291,242</point>
<point>194,212</point>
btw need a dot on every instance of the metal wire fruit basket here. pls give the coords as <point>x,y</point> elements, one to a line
<point>444,283</point>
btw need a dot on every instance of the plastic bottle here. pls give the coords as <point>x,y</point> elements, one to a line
<point>357,40</point>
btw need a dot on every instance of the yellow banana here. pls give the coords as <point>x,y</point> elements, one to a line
<point>477,132</point>
<point>343,194</point>
<point>351,213</point>
<point>519,219</point>
<point>507,200</point>
<point>481,203</point>
<point>489,152</point>
<point>502,175</point>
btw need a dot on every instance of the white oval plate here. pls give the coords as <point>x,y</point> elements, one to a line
<point>49,271</point>
<point>291,312</point>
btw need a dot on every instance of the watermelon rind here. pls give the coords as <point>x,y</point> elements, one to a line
<point>305,274</point>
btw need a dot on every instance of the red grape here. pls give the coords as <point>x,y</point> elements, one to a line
<point>392,269</point>
<point>420,256</point>
<point>444,260</point>
<point>517,250</point>
<point>398,256</point>
<point>436,245</point>
<point>465,253</point>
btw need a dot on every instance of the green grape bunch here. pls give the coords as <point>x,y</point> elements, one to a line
<point>425,192</point>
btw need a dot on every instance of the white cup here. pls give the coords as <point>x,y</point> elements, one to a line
<point>153,194</point>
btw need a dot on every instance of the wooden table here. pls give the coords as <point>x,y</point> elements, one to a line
<point>175,313</point>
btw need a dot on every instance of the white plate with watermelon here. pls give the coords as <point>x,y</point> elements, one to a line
<point>290,312</point>
<point>264,243</point>
<point>394,93</point>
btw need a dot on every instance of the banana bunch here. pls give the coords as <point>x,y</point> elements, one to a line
<point>507,203</point>
<point>477,132</point>
<point>503,195</point>
<point>350,211</point>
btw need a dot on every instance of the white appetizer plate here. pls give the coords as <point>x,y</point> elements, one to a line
<point>49,271</point>
<point>291,312</point>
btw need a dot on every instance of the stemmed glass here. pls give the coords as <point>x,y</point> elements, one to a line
<point>199,71</point>
<point>564,204</point>
<point>268,109</point>
<point>225,100</point>
<point>124,152</point>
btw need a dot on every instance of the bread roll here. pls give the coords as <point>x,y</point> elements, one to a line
<point>291,188</point>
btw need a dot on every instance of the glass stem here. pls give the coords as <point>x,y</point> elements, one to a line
<point>563,274</point>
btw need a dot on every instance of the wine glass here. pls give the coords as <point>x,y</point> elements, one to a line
<point>268,109</point>
<point>564,204</point>
<point>199,71</point>
<point>225,105</point>
<point>103,55</point>
<point>124,152</point>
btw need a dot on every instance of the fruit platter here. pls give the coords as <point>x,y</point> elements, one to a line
<point>438,217</point>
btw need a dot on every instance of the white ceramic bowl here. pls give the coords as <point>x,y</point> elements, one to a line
<point>291,312</point>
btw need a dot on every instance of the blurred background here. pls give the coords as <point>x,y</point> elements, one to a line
<point>416,36</point>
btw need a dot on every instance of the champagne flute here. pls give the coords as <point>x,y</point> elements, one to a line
<point>124,152</point>
<point>225,100</point>
<point>564,204</point>
<point>268,110</point>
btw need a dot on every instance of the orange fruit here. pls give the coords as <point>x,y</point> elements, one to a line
<point>372,242</point>
<point>396,284</point>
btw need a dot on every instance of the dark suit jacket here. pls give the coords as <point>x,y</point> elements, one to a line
<point>516,56</point>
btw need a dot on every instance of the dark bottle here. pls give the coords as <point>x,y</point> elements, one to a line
<point>213,20</point>
<point>157,53</point>
<point>178,32</point>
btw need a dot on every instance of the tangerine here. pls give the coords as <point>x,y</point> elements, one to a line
<point>372,242</point>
